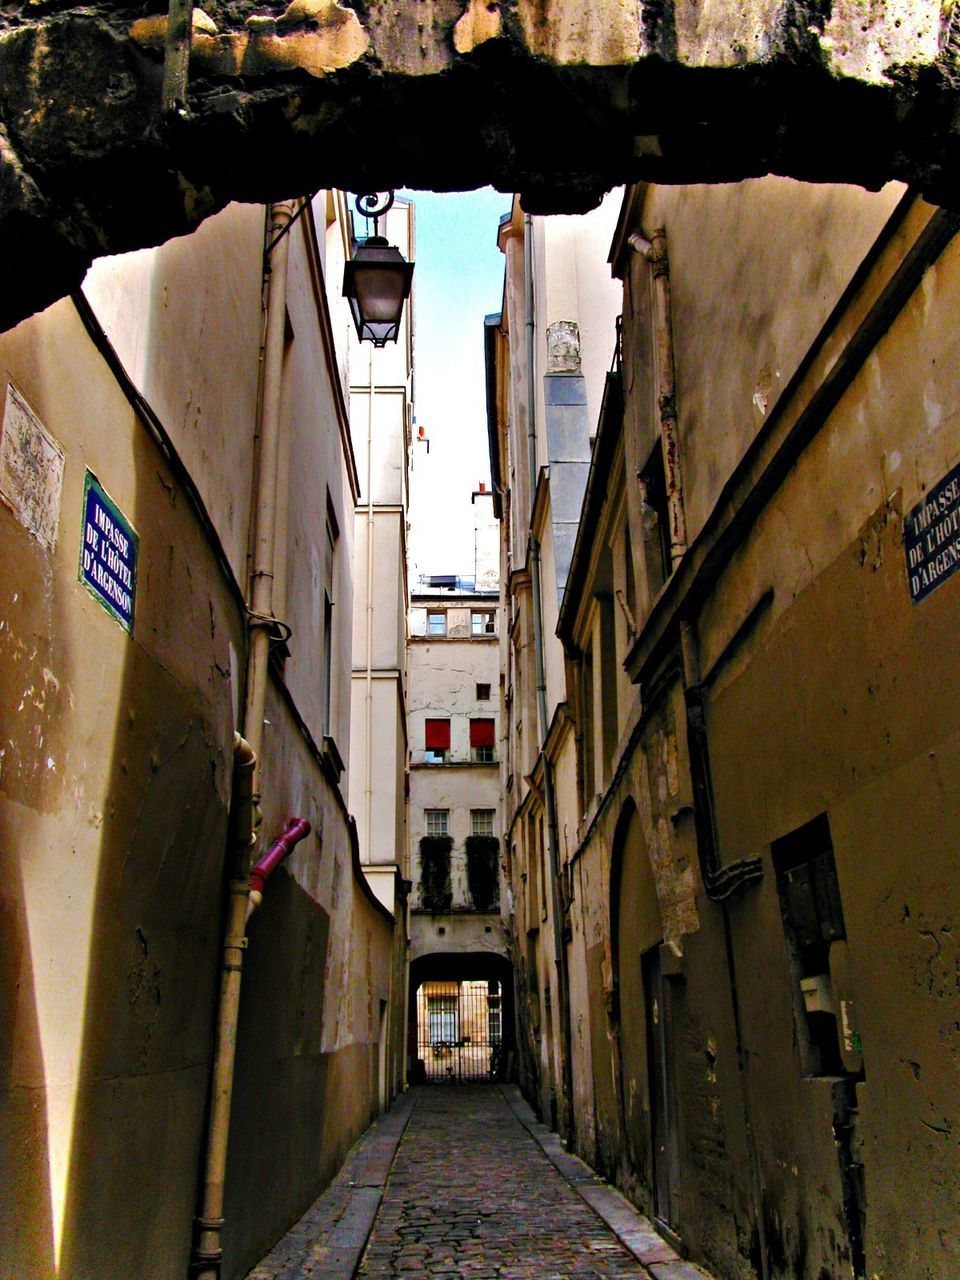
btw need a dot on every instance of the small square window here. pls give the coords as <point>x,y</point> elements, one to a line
<point>481,822</point>
<point>483,693</point>
<point>482,624</point>
<point>484,755</point>
<point>434,755</point>
<point>436,624</point>
<point>436,821</point>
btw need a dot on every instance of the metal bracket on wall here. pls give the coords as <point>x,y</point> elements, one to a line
<point>732,877</point>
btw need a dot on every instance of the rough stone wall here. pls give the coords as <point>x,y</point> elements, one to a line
<point>554,98</point>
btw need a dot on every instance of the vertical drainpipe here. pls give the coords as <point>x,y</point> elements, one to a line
<point>208,1251</point>
<point>368,706</point>
<point>553,844</point>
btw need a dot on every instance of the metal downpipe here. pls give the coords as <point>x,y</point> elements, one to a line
<point>367,844</point>
<point>208,1252</point>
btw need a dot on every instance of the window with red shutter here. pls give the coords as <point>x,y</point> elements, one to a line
<point>436,741</point>
<point>482,741</point>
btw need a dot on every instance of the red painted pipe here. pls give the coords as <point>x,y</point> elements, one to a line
<point>296,830</point>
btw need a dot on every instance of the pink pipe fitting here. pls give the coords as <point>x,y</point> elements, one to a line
<point>296,830</point>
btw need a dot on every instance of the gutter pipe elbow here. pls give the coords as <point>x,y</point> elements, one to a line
<point>297,829</point>
<point>640,244</point>
<point>246,817</point>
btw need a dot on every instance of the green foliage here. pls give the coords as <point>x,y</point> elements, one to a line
<point>436,892</point>
<point>483,865</point>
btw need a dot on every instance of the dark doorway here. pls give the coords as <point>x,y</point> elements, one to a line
<point>663,1133</point>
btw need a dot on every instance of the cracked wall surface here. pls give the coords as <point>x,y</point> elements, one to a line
<point>558,100</point>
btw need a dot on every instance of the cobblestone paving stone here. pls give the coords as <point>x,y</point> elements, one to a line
<point>472,1197</point>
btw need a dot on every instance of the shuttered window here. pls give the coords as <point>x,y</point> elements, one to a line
<point>438,735</point>
<point>481,733</point>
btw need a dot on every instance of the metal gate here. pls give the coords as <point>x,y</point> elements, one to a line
<point>460,1029</point>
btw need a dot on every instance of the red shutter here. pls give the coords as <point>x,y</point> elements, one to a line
<point>481,733</point>
<point>438,735</point>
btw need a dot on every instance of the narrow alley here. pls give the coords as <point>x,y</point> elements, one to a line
<point>479,742</point>
<point>460,1182</point>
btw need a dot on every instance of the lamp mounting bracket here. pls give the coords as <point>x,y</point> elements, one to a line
<point>375,205</point>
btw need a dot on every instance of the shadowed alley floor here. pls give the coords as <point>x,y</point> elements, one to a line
<point>460,1182</point>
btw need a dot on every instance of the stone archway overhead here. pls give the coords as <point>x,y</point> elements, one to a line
<point>554,98</point>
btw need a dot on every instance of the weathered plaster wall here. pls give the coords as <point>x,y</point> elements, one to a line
<point>467,934</point>
<point>452,94</point>
<point>175,325</point>
<point>111,892</point>
<point>864,733</point>
<point>318,965</point>
<point>444,674</point>
<point>833,702</point>
<point>788,252</point>
<point>386,592</point>
<point>114,788</point>
<point>387,761</point>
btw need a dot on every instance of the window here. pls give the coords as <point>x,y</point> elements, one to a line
<point>482,741</point>
<point>483,693</point>
<point>482,624</point>
<point>813,924</point>
<point>436,624</point>
<point>442,1015</point>
<point>629,580</point>
<point>481,822</point>
<point>588,780</point>
<point>494,1013</point>
<point>436,821</point>
<point>436,741</point>
<point>656,520</point>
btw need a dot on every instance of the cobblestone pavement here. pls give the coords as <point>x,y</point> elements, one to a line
<point>471,1196</point>
<point>461,1182</point>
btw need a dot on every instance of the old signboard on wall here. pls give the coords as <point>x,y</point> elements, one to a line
<point>31,469</point>
<point>108,553</point>
<point>931,537</point>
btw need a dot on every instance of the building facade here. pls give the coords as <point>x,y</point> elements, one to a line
<point>461,1008</point>
<point>545,385</point>
<point>754,886</point>
<point>381,413</point>
<point>179,486</point>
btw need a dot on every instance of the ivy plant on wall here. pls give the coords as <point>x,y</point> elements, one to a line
<point>436,893</point>
<point>483,864</point>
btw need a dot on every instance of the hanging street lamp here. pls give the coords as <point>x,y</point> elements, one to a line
<point>377,279</point>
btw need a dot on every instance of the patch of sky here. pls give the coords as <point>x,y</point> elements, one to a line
<point>458,281</point>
